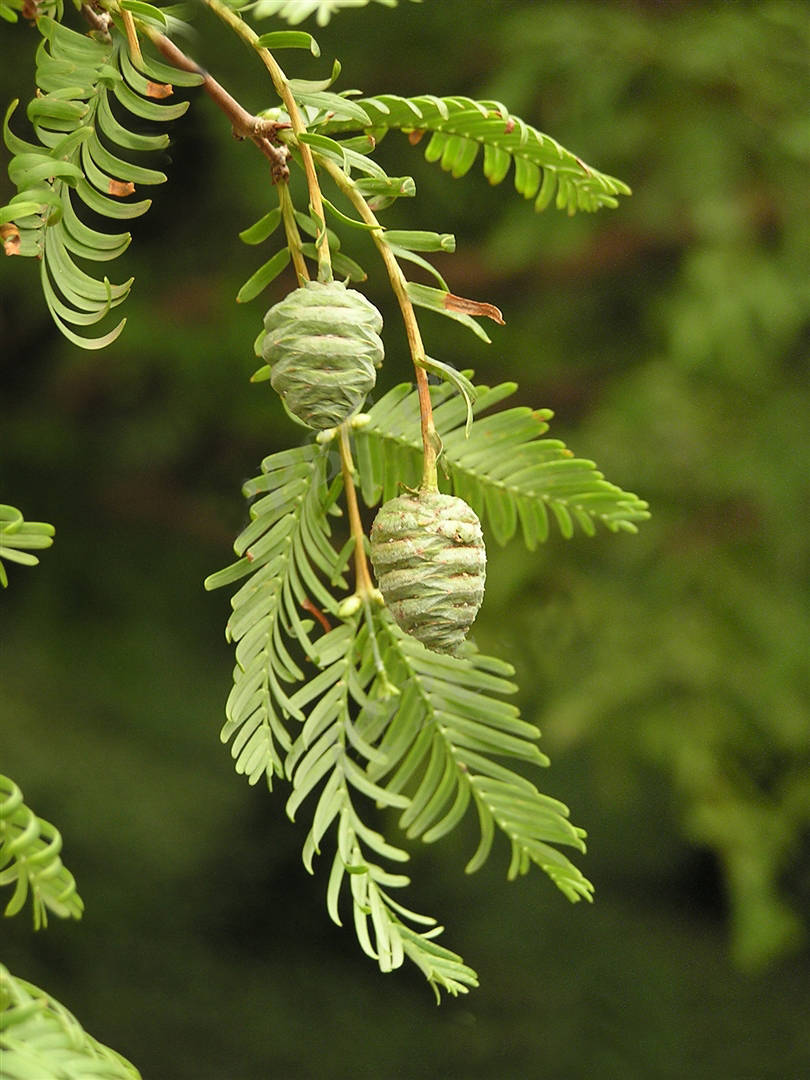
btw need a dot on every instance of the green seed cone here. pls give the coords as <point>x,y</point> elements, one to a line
<point>322,344</point>
<point>429,557</point>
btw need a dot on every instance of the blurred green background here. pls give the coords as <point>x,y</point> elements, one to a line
<point>668,671</point>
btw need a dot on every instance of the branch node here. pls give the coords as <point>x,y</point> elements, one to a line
<point>269,129</point>
<point>277,156</point>
<point>99,21</point>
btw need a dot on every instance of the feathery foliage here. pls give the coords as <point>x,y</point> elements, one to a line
<point>39,1038</point>
<point>19,537</point>
<point>505,470</point>
<point>375,714</point>
<point>673,661</point>
<point>349,705</point>
<point>297,11</point>
<point>82,83</point>
<point>29,860</point>
<point>281,549</point>
<point>328,693</point>
<point>460,127</point>
<point>439,744</point>
<point>359,709</point>
<point>86,82</point>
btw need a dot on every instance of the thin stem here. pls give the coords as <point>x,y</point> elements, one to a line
<point>362,578</point>
<point>248,35</point>
<point>369,596</point>
<point>430,438</point>
<point>431,443</point>
<point>292,234</point>
<point>132,36</point>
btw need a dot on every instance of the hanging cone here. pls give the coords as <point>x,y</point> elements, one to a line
<point>428,554</point>
<point>322,344</point>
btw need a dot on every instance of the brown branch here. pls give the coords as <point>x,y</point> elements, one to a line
<point>264,133</point>
<point>98,21</point>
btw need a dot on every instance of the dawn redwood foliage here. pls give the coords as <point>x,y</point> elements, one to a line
<point>350,694</point>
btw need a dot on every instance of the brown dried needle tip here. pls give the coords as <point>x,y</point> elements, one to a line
<point>473,307</point>
<point>308,605</point>
<point>10,238</point>
<point>159,90</point>
<point>120,188</point>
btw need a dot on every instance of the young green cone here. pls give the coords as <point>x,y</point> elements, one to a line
<point>428,554</point>
<point>322,344</point>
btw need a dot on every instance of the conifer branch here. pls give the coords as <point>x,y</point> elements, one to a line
<point>460,127</point>
<point>360,710</point>
<point>502,467</point>
<point>30,861</point>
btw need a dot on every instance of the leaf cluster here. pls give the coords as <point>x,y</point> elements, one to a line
<point>95,96</point>
<point>370,714</point>
<point>18,538</point>
<point>40,1038</point>
<point>282,550</point>
<point>30,860</point>
<point>84,85</point>
<point>360,711</point>
<point>512,477</point>
<point>460,128</point>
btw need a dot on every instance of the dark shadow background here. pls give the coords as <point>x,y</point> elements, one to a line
<point>668,671</point>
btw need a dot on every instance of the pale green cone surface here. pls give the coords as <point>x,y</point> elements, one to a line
<point>322,344</point>
<point>428,554</point>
